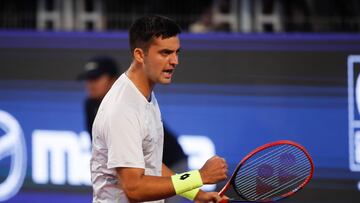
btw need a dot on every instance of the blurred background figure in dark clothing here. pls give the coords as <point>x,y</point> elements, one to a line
<point>99,75</point>
<point>174,157</point>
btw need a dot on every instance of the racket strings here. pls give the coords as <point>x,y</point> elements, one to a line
<point>289,186</point>
<point>273,191</point>
<point>264,157</point>
<point>276,167</point>
<point>284,167</point>
<point>280,189</point>
<point>269,181</point>
<point>241,179</point>
<point>251,165</point>
<point>274,179</point>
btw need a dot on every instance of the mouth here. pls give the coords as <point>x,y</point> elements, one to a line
<point>168,72</point>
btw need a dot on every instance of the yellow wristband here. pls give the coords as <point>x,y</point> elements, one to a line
<point>186,181</point>
<point>190,194</point>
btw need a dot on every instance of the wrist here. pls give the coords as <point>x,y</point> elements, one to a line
<point>203,176</point>
<point>186,181</point>
<point>192,194</point>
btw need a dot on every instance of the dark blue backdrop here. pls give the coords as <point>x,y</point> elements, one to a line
<point>236,118</point>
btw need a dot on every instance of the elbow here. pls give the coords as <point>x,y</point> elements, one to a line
<point>132,193</point>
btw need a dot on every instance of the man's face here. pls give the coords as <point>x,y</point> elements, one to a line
<point>97,88</point>
<point>161,59</point>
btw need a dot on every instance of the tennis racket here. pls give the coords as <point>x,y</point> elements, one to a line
<point>271,172</point>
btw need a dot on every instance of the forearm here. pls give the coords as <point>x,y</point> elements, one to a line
<point>148,184</point>
<point>140,187</point>
<point>150,188</point>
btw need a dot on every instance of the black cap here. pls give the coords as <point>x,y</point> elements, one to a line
<point>97,67</point>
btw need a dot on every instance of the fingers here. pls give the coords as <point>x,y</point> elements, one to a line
<point>214,170</point>
<point>223,165</point>
<point>226,170</point>
<point>221,199</point>
<point>224,199</point>
<point>215,197</point>
<point>206,197</point>
<point>222,162</point>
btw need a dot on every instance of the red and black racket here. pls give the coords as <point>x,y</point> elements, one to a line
<point>271,172</point>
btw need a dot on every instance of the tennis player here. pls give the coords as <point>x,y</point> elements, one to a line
<point>126,163</point>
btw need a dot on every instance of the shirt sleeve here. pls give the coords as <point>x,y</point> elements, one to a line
<point>124,141</point>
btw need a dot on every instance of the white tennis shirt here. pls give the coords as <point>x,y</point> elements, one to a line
<point>127,132</point>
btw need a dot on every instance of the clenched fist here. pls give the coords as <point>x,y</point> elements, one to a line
<point>214,170</point>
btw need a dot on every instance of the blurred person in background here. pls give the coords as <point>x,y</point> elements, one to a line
<point>99,74</point>
<point>204,23</point>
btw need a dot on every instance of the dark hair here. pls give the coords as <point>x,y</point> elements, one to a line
<point>145,29</point>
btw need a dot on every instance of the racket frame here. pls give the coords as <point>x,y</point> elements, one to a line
<point>265,146</point>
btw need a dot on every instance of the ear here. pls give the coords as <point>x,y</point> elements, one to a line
<point>139,55</point>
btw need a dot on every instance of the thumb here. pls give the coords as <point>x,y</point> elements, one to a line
<point>224,199</point>
<point>215,197</point>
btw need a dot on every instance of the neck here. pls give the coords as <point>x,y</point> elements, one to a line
<point>136,74</point>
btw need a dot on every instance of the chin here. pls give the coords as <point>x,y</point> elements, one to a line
<point>165,82</point>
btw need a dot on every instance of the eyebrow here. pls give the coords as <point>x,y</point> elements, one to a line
<point>169,51</point>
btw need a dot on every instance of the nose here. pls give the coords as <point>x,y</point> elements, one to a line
<point>174,59</point>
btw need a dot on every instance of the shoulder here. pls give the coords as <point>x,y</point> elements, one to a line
<point>121,95</point>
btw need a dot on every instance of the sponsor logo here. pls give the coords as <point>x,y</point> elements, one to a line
<point>185,176</point>
<point>12,144</point>
<point>354,111</point>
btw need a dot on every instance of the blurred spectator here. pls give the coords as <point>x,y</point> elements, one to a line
<point>203,24</point>
<point>99,74</point>
<point>296,15</point>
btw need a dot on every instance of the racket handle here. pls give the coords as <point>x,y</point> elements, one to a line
<point>224,201</point>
